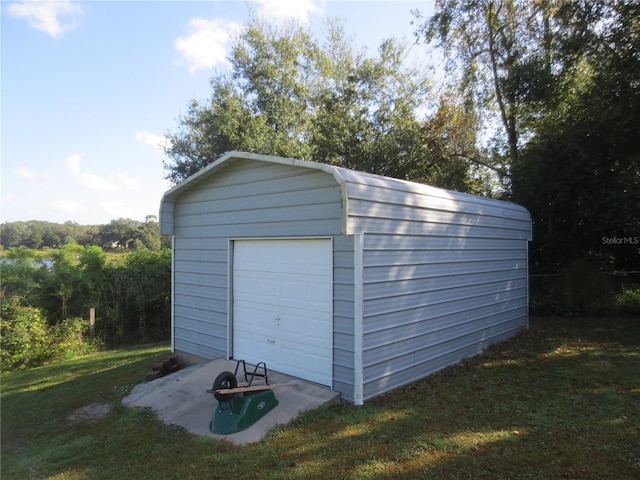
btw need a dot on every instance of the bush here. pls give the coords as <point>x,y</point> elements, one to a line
<point>24,335</point>
<point>70,338</point>
<point>627,302</point>
<point>26,340</point>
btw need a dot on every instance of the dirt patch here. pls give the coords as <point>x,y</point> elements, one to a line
<point>90,413</point>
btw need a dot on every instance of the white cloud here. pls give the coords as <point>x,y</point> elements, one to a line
<point>205,46</point>
<point>129,182</point>
<point>9,199</point>
<point>51,17</point>
<point>158,142</point>
<point>88,180</point>
<point>27,174</point>
<point>68,207</point>
<point>280,10</point>
<point>122,210</point>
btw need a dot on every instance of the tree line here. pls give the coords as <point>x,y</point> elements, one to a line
<point>539,104</point>
<point>120,234</point>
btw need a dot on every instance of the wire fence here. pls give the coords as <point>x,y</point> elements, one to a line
<point>585,292</point>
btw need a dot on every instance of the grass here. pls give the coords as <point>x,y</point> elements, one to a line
<point>561,401</point>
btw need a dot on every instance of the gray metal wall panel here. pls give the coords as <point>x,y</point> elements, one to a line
<point>372,188</point>
<point>434,300</point>
<point>266,227</point>
<point>403,272</point>
<point>391,242</point>
<point>417,368</point>
<point>468,308</point>
<point>429,214</point>
<point>450,296</point>
<point>253,200</point>
<point>198,348</point>
<point>367,224</point>
<point>389,206</point>
<point>387,258</point>
<point>343,342</point>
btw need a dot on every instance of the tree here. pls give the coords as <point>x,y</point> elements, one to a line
<point>20,276</point>
<point>291,95</point>
<point>498,55</point>
<point>62,290</point>
<point>367,118</point>
<point>580,173</point>
<point>262,106</point>
<point>13,234</point>
<point>125,233</point>
<point>560,81</point>
<point>451,137</point>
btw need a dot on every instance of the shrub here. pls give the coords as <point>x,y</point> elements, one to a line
<point>26,340</point>
<point>627,302</point>
<point>24,335</point>
<point>70,338</point>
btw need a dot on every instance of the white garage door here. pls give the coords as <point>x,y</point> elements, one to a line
<point>282,308</point>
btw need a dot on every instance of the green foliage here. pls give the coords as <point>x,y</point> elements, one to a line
<point>627,302</point>
<point>130,294</point>
<point>125,234</point>
<point>21,273</point>
<point>583,289</point>
<point>27,340</point>
<point>486,44</point>
<point>24,334</point>
<point>120,234</point>
<point>143,284</point>
<point>290,94</point>
<point>580,174</point>
<point>70,338</point>
<point>560,79</point>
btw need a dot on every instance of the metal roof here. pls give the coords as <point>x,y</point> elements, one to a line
<point>406,192</point>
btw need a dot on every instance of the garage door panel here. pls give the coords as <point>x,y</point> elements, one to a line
<point>283,307</point>
<point>310,332</point>
<point>261,323</point>
<point>305,362</point>
<point>260,346</point>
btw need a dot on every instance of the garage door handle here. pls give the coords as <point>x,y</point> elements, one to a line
<point>270,341</point>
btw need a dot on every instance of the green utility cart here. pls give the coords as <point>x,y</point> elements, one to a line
<point>242,405</point>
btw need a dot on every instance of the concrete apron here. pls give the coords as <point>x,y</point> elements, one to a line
<point>181,399</point>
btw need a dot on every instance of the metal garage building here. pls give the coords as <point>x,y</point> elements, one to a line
<point>359,282</point>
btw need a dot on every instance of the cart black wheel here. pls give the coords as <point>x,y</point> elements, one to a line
<point>223,381</point>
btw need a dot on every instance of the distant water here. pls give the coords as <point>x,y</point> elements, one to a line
<point>42,262</point>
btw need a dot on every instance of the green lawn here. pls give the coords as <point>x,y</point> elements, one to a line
<point>559,401</point>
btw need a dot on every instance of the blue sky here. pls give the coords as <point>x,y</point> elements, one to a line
<point>88,90</point>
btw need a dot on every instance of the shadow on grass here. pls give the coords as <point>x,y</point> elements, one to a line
<point>37,402</point>
<point>559,401</point>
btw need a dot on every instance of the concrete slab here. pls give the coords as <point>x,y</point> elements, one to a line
<point>181,399</point>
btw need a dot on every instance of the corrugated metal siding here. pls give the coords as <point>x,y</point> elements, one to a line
<point>445,275</point>
<point>343,354</point>
<point>425,308</point>
<point>247,199</point>
<point>393,207</point>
